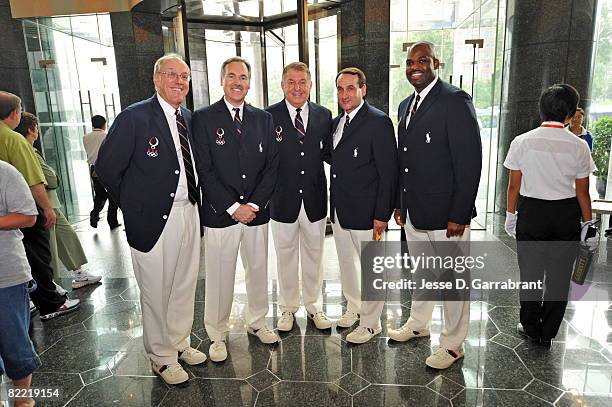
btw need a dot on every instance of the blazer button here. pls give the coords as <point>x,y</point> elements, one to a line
<point>405,169</point>
<point>334,176</point>
<point>302,172</point>
<point>172,194</point>
<point>404,189</point>
<point>165,216</point>
<point>302,154</point>
<point>405,148</point>
<point>177,172</point>
<point>300,191</point>
<point>243,176</point>
<point>241,196</point>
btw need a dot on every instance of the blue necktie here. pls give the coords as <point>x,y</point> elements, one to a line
<point>237,121</point>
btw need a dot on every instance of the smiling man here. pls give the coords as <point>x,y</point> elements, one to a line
<point>237,147</point>
<point>363,181</point>
<point>299,204</point>
<point>440,160</point>
<point>147,164</point>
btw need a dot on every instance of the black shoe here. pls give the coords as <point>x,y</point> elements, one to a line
<point>93,219</point>
<point>521,331</point>
<point>114,225</point>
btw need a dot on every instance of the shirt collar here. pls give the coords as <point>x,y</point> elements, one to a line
<point>428,88</point>
<point>352,114</point>
<point>293,109</point>
<point>231,107</point>
<point>584,131</point>
<point>168,109</point>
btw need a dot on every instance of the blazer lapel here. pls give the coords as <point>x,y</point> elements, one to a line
<point>404,113</point>
<point>353,123</point>
<point>426,104</point>
<point>227,121</point>
<point>162,123</point>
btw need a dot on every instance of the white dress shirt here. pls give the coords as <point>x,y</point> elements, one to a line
<point>181,193</point>
<point>92,142</point>
<point>340,129</point>
<point>550,159</point>
<point>303,113</point>
<point>423,95</point>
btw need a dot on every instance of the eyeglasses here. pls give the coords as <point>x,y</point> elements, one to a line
<point>174,76</point>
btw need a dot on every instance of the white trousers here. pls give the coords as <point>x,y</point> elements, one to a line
<point>167,277</point>
<point>348,247</point>
<point>456,313</point>
<point>299,244</point>
<point>221,255</point>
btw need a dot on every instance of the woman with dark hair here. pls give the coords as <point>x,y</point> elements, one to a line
<point>65,244</point>
<point>549,187</point>
<point>575,126</point>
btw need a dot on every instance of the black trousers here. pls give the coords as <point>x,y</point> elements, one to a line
<point>100,197</point>
<point>547,233</point>
<point>38,252</point>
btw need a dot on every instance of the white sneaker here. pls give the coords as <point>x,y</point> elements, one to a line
<point>285,322</point>
<point>320,320</point>
<point>171,374</point>
<point>405,333</point>
<point>265,334</point>
<point>60,290</point>
<point>362,334</point>
<point>348,319</point>
<point>82,278</point>
<point>443,358</point>
<point>217,351</point>
<point>192,356</point>
<point>68,306</point>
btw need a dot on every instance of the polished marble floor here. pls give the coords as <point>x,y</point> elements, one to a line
<point>95,355</point>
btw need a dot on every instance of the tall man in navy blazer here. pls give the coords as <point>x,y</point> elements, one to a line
<point>147,165</point>
<point>440,157</point>
<point>299,204</point>
<point>363,183</point>
<point>239,156</point>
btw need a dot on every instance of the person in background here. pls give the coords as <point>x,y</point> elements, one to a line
<point>15,150</point>
<point>65,244</point>
<point>548,196</point>
<point>92,142</point>
<point>18,359</point>
<point>575,126</point>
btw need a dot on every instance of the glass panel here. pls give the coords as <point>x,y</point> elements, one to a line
<point>448,24</point>
<point>72,65</point>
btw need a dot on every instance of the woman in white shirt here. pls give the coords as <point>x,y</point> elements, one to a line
<point>549,170</point>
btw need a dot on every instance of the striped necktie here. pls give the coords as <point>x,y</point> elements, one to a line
<point>192,190</point>
<point>237,121</point>
<point>412,111</point>
<point>299,126</point>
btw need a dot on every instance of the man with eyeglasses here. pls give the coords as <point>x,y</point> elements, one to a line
<point>148,164</point>
<point>237,147</point>
<point>299,204</point>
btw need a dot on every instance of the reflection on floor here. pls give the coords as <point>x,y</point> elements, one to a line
<point>96,357</point>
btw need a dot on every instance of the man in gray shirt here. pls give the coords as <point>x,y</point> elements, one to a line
<point>18,359</point>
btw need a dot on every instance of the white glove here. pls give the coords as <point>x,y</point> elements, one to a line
<point>589,234</point>
<point>510,224</point>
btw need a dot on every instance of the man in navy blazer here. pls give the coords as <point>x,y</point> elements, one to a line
<point>440,158</point>
<point>239,155</point>
<point>299,204</point>
<point>147,164</point>
<point>363,183</point>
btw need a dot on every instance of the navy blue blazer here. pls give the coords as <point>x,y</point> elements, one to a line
<point>301,175</point>
<point>440,157</point>
<point>137,163</point>
<point>363,170</point>
<point>235,168</point>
